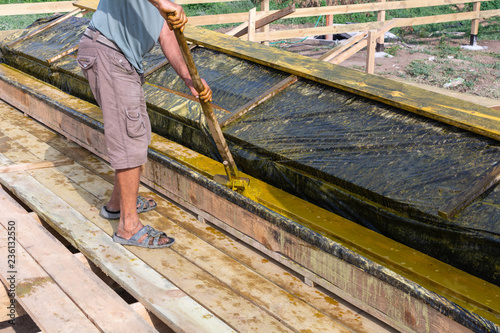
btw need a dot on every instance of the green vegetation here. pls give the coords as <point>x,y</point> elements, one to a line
<point>487,31</point>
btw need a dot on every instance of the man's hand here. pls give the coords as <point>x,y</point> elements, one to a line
<point>172,13</point>
<point>205,95</point>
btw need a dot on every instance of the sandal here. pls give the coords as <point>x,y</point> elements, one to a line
<point>143,205</point>
<point>151,232</point>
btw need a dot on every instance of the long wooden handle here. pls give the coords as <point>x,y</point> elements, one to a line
<point>213,124</point>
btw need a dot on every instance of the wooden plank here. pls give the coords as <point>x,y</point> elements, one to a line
<point>459,202</point>
<point>7,315</point>
<point>237,114</point>
<point>92,4</point>
<point>246,316</point>
<point>34,289</point>
<point>343,46</point>
<point>34,165</point>
<point>191,194</point>
<point>154,291</point>
<point>449,110</point>
<point>329,10</point>
<point>36,8</point>
<point>93,297</point>
<point>401,22</point>
<point>63,54</point>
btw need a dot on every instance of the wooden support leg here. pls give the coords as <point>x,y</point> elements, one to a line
<point>264,7</point>
<point>370,56</point>
<point>329,22</point>
<point>251,24</point>
<point>475,24</point>
<point>381,40</point>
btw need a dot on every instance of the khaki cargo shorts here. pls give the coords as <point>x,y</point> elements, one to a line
<point>117,87</point>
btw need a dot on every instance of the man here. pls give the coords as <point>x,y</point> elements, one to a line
<point>111,50</point>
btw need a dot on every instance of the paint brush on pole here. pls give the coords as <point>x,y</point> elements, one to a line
<point>231,180</point>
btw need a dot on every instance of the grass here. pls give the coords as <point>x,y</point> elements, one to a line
<point>489,31</point>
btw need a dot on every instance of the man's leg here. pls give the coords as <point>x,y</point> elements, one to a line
<point>124,196</point>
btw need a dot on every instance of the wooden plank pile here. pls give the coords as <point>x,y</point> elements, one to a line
<point>235,288</point>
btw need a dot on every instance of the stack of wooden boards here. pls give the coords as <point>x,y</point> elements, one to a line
<point>207,282</point>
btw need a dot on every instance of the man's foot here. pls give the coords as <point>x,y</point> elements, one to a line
<point>147,237</point>
<point>143,205</point>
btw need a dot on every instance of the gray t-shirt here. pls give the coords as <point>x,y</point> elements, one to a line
<point>134,25</point>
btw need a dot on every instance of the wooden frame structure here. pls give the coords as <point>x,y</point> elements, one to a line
<point>272,233</point>
<point>412,308</point>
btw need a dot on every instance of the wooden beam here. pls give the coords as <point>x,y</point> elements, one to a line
<point>257,101</point>
<point>63,54</point>
<point>370,54</point>
<point>92,4</point>
<point>36,8</point>
<point>329,10</point>
<point>381,18</point>
<point>262,21</point>
<point>343,46</point>
<point>458,203</point>
<point>35,165</point>
<point>264,7</point>
<point>401,22</point>
<point>251,24</point>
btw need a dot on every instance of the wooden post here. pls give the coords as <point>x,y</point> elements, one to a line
<point>264,7</point>
<point>475,23</point>
<point>251,24</point>
<point>380,40</point>
<point>370,55</point>
<point>329,22</point>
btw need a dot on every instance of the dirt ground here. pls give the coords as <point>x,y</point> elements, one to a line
<point>438,60</point>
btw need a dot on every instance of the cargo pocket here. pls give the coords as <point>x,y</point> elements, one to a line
<point>86,62</point>
<point>121,64</point>
<point>135,124</point>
